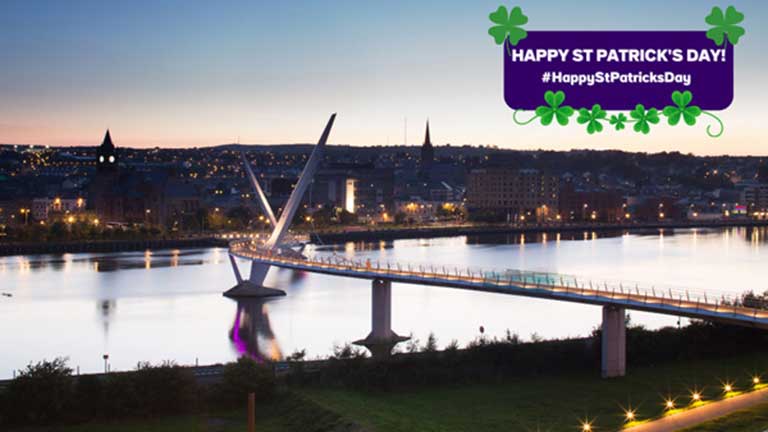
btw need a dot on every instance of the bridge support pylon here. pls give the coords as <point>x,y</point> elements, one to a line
<point>614,342</point>
<point>252,287</point>
<point>382,339</point>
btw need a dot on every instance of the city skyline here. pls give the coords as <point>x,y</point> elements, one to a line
<point>172,76</point>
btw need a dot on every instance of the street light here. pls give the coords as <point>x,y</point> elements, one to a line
<point>25,212</point>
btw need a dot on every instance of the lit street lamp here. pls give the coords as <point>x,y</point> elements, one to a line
<point>25,212</point>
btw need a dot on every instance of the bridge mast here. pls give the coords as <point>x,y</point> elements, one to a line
<point>260,196</point>
<point>294,201</point>
<point>253,287</point>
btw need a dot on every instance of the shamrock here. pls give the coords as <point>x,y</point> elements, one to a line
<point>618,121</point>
<point>592,118</point>
<point>689,113</point>
<point>554,109</point>
<point>508,24</point>
<point>643,117</point>
<point>725,25</point>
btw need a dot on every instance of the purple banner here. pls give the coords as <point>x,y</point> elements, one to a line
<point>618,69</point>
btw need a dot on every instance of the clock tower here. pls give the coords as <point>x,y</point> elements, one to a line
<point>106,155</point>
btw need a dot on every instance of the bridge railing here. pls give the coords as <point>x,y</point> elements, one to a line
<point>709,300</point>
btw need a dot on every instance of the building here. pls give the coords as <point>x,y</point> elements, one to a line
<point>44,209</point>
<point>106,155</point>
<point>427,155</point>
<point>138,194</point>
<point>755,196</point>
<point>578,204</point>
<point>180,200</point>
<point>655,208</point>
<point>498,193</point>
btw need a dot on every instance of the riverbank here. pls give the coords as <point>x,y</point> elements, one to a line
<point>103,246</point>
<point>557,403</point>
<point>354,234</point>
<point>490,385</point>
<point>544,403</point>
<point>466,230</point>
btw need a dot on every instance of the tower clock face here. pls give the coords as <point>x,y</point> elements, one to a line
<point>101,159</point>
<point>111,159</point>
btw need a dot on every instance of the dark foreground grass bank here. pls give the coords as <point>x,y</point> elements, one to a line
<point>286,412</point>
<point>544,403</point>
<point>489,386</point>
<point>526,404</point>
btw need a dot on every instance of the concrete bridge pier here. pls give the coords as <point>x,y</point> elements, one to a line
<point>382,339</point>
<point>253,287</point>
<point>614,342</point>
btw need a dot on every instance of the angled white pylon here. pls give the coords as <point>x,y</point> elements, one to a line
<point>281,228</point>
<point>260,197</point>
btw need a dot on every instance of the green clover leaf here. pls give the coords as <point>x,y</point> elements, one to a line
<point>681,109</point>
<point>508,25</point>
<point>618,121</point>
<point>725,24</point>
<point>592,118</point>
<point>554,109</point>
<point>643,118</point>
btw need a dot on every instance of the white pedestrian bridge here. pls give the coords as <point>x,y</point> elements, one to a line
<point>614,298</point>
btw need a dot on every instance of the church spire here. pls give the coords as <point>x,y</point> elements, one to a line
<point>107,140</point>
<point>427,155</point>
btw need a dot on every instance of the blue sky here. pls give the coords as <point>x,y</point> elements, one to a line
<point>195,73</point>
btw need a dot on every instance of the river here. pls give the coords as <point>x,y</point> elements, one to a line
<point>167,305</point>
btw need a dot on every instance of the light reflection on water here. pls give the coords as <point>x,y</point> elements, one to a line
<point>164,305</point>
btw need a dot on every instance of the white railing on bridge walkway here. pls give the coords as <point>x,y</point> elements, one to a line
<point>694,302</point>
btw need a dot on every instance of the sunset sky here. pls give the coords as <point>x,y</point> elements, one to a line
<point>199,73</point>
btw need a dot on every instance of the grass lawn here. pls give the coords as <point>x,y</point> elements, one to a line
<point>535,404</point>
<point>750,420</point>
<point>286,414</point>
<point>541,404</point>
<point>224,422</point>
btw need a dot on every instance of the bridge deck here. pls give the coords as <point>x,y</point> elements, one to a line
<point>528,284</point>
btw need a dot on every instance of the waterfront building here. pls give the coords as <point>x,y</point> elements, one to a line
<point>591,204</point>
<point>502,193</point>
<point>755,196</point>
<point>142,194</point>
<point>44,209</point>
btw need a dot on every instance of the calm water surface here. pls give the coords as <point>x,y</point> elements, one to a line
<point>164,305</point>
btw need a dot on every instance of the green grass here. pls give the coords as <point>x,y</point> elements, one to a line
<point>540,404</point>
<point>754,419</point>
<point>222,422</point>
<point>287,413</point>
<point>531,404</point>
